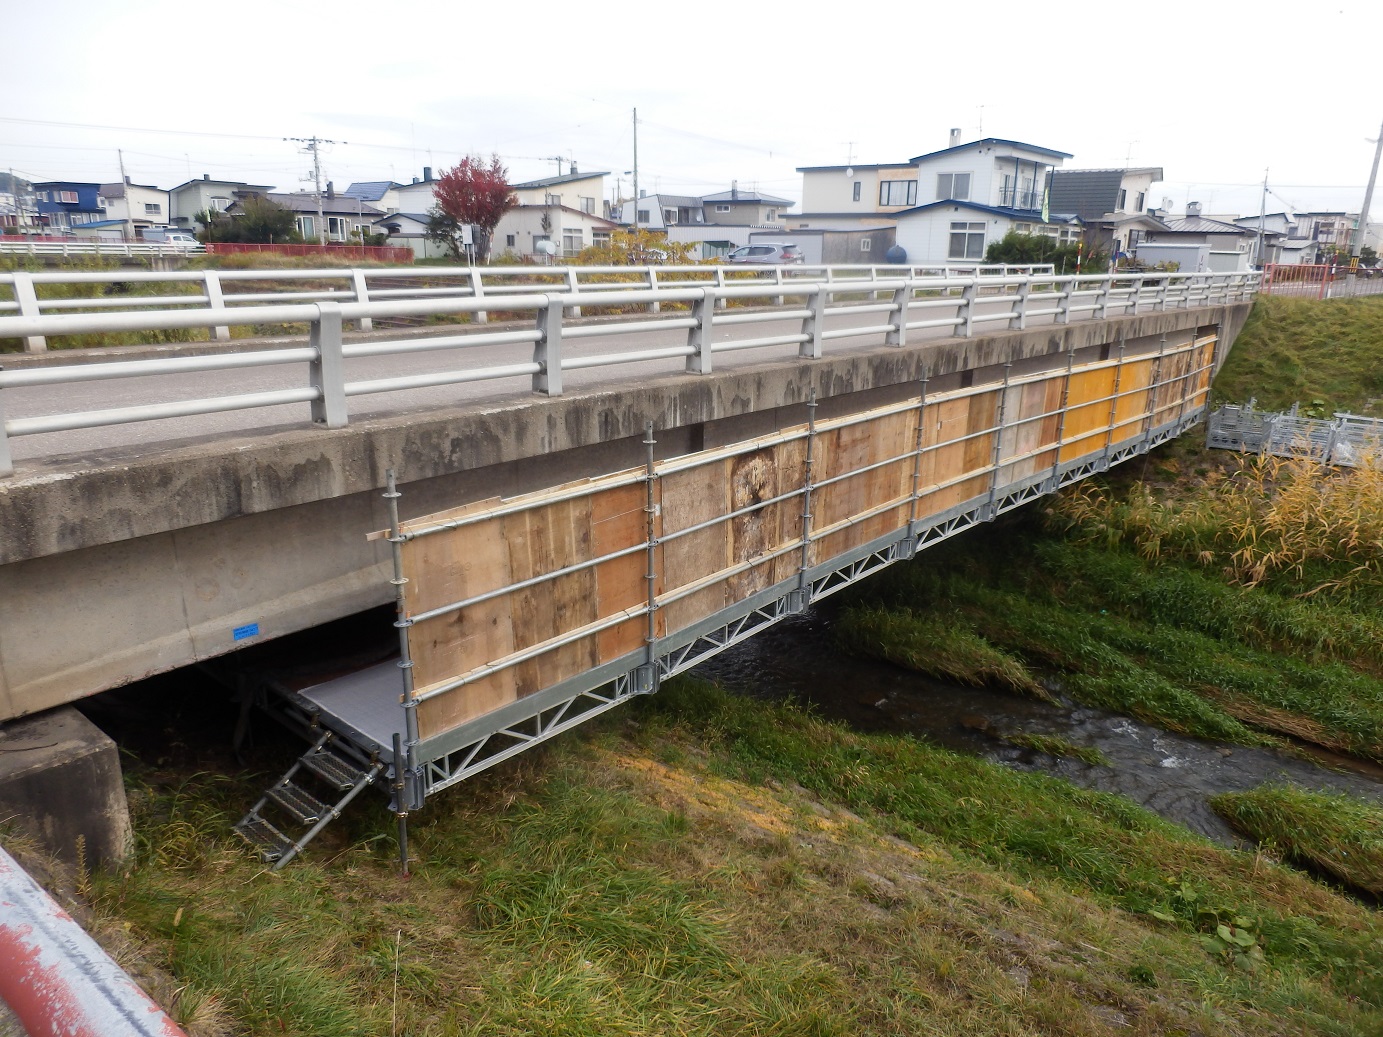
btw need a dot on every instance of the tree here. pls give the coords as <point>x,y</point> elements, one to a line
<point>630,248</point>
<point>1042,248</point>
<point>259,220</point>
<point>471,192</point>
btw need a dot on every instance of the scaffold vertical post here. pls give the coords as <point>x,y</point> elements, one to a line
<point>1154,390</point>
<point>920,440</point>
<point>647,682</point>
<point>1114,403</point>
<point>991,505</point>
<point>405,742</point>
<point>803,596</point>
<point>1055,477</point>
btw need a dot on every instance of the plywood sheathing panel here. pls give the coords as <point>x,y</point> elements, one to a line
<point>688,498</point>
<point>1087,411</point>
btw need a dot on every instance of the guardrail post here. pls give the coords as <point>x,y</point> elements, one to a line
<point>778,280</point>
<point>655,306</point>
<point>547,351</point>
<point>1102,302</point>
<point>1063,307</point>
<point>967,306</point>
<point>27,298</point>
<point>6,458</point>
<point>812,324</point>
<point>362,294</point>
<point>574,288</point>
<point>700,337</point>
<point>898,334</point>
<point>216,300</point>
<point>721,301</point>
<point>1019,319</point>
<point>478,292</point>
<point>328,371</point>
<point>1137,296</point>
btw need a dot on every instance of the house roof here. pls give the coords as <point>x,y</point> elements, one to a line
<point>992,141</point>
<point>746,197</point>
<point>1091,193</point>
<point>223,183</point>
<point>854,165</point>
<point>1026,215</point>
<point>117,190</point>
<point>553,181</point>
<point>370,190</point>
<point>1201,225</point>
<point>683,200</point>
<point>306,202</point>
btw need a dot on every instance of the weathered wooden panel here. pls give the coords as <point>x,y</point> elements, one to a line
<point>887,440</point>
<point>688,498</point>
<point>1135,397</point>
<point>1087,413</point>
<point>618,520</point>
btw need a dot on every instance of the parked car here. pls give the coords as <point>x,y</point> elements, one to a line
<point>767,252</point>
<point>173,236</point>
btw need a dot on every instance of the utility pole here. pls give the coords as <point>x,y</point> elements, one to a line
<point>636,171</point>
<point>1362,230</point>
<point>314,145</point>
<point>127,229</point>
<point>1262,216</point>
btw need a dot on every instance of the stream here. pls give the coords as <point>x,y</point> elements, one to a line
<point>1170,774</point>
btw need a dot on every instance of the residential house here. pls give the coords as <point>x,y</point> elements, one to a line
<point>18,211</point>
<point>135,207</point>
<point>382,194</point>
<point>559,209</point>
<point>1198,243</point>
<point>419,196</point>
<point>661,211</point>
<point>1111,203</point>
<point>207,195</point>
<point>740,208</point>
<point>948,205</point>
<point>409,230</point>
<point>64,204</point>
<point>852,196</point>
<point>342,216</point>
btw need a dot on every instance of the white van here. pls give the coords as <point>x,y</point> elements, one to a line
<point>174,236</point>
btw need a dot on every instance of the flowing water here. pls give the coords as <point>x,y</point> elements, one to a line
<point>1170,774</point>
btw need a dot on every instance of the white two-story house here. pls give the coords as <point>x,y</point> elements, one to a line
<point>947,205</point>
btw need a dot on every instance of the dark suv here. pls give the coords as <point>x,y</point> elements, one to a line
<point>767,252</point>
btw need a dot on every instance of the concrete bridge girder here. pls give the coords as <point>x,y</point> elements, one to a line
<point>146,563</point>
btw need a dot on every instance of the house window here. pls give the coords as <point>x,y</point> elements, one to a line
<point>669,216</point>
<point>1123,200</point>
<point>772,215</point>
<point>153,209</point>
<point>856,196</point>
<point>1141,199</point>
<point>307,226</point>
<point>338,227</point>
<point>643,216</point>
<point>955,186</point>
<point>552,199</point>
<point>600,238</point>
<point>509,240</point>
<point>588,205</point>
<point>572,241</point>
<point>722,208</point>
<point>898,192</point>
<point>68,196</point>
<point>42,196</point>
<point>219,203</point>
<point>866,244</point>
<point>967,241</point>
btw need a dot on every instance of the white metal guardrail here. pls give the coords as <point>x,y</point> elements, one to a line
<point>81,249</point>
<point>894,307</point>
<point>1347,440</point>
<point>34,294</point>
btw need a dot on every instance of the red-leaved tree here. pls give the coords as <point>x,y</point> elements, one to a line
<point>472,192</point>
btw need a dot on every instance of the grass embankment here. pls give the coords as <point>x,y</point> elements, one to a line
<point>1333,834</point>
<point>706,864</point>
<point>1328,356</point>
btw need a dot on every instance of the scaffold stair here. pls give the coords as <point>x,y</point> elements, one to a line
<point>305,800</point>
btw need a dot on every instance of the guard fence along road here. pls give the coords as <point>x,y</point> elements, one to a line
<point>870,310</point>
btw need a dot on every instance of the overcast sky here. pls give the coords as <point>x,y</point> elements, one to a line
<point>725,91</point>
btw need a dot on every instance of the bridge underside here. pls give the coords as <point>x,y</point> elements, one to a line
<point>143,564</point>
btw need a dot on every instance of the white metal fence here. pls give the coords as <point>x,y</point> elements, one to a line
<point>34,294</point>
<point>891,306</point>
<point>82,249</point>
<point>1348,440</point>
